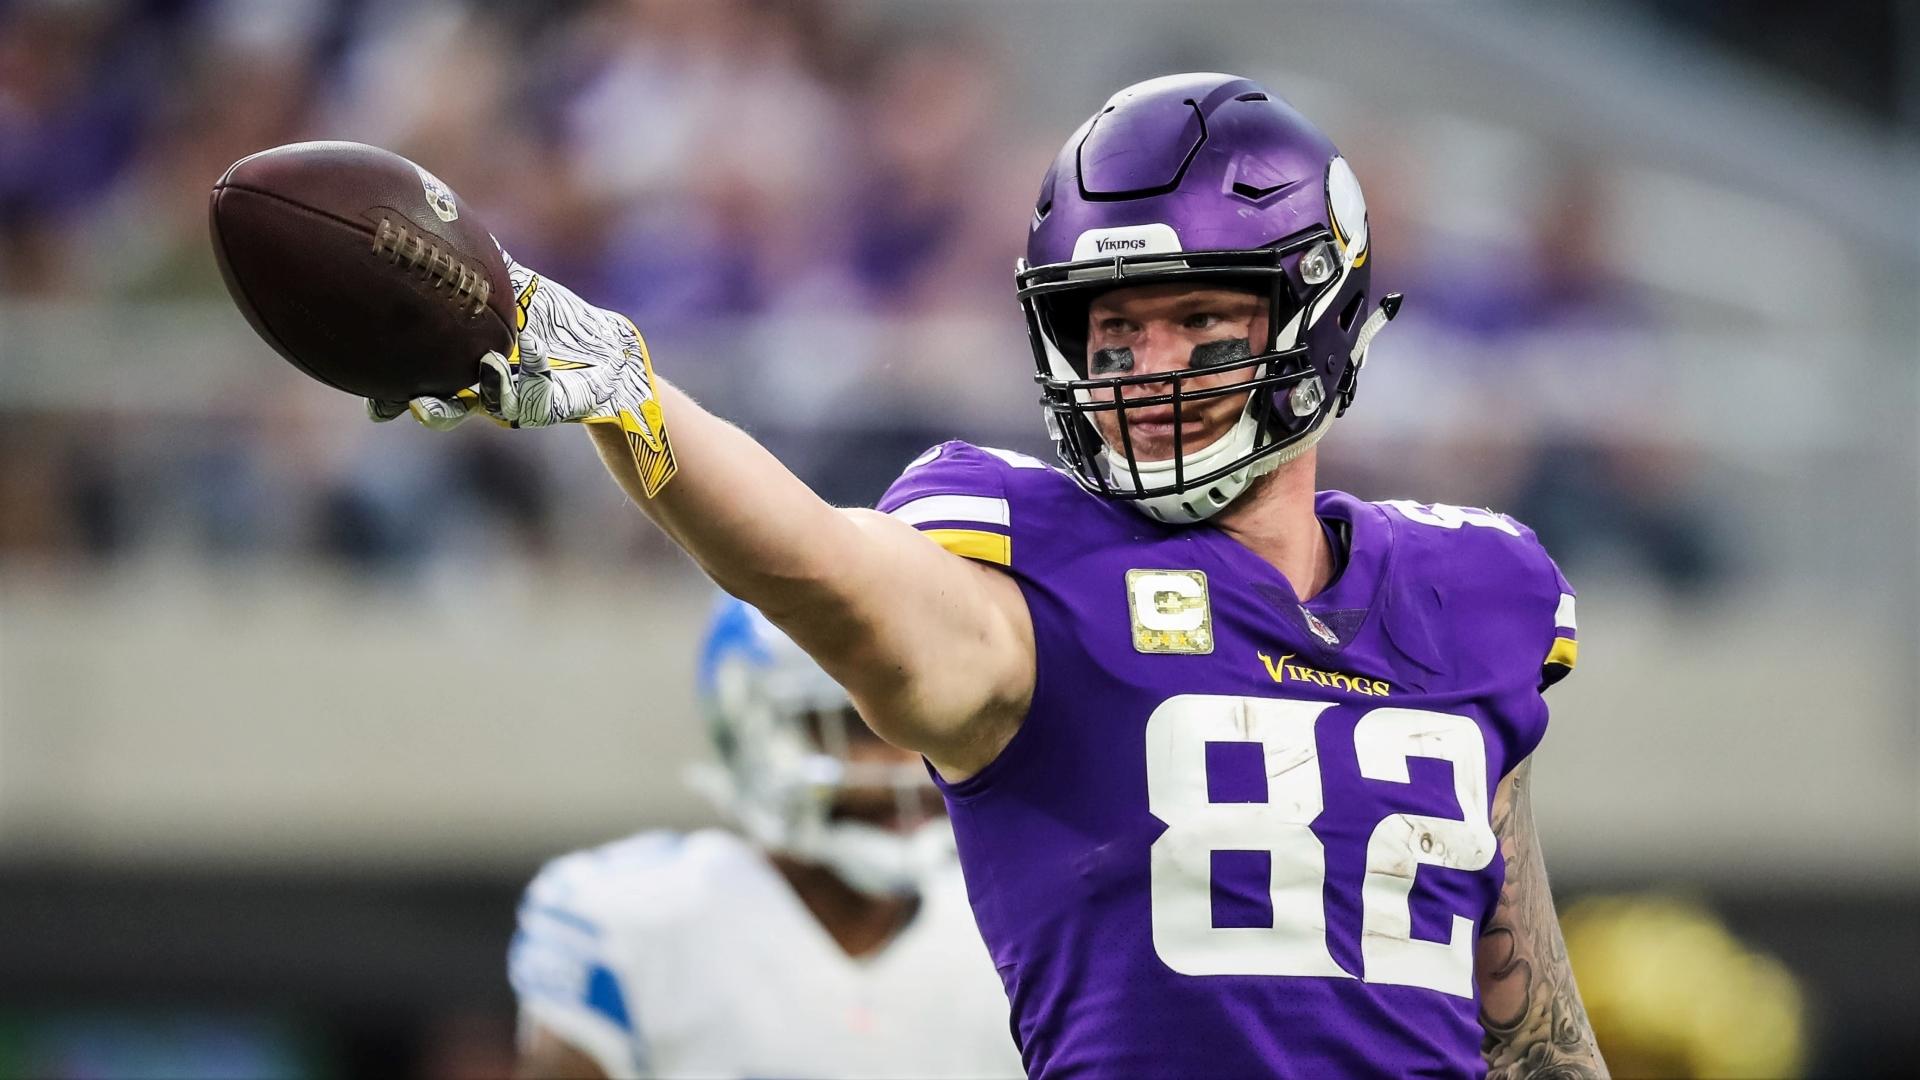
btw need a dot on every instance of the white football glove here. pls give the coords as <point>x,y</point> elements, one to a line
<point>572,363</point>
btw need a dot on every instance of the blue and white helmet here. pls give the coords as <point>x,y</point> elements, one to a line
<point>785,733</point>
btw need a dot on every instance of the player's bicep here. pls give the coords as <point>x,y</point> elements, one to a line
<point>1530,1009</point>
<point>936,649</point>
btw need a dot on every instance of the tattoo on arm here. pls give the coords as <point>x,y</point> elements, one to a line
<point>1530,1009</point>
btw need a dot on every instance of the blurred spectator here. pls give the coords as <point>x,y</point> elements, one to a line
<point>1624,483</point>
<point>699,151</point>
<point>931,220</point>
<point>1542,330</point>
<point>75,95</point>
<point>821,207</point>
<point>240,82</point>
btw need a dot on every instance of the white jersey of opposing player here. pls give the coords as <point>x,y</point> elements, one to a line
<point>690,956</point>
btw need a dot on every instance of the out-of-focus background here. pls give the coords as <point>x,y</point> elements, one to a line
<point>291,706</point>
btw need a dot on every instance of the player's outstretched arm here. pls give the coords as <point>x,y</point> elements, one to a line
<point>936,650</point>
<point>1529,1006</point>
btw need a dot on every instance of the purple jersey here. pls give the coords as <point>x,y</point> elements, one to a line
<point>1237,835</point>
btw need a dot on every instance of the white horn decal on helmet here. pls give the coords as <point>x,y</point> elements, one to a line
<point>1348,210</point>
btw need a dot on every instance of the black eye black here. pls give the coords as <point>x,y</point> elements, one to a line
<point>1215,353</point>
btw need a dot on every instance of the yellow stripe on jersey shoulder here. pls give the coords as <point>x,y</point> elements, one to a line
<point>974,544</point>
<point>1564,652</point>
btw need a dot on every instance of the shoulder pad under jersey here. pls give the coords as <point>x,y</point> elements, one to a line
<point>969,499</point>
<point>1497,558</point>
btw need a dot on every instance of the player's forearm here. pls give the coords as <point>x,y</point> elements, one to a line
<point>1530,1007</point>
<point>936,650</point>
<point>753,526</point>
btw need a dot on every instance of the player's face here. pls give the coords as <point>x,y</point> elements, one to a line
<point>1149,329</point>
<point>877,772</point>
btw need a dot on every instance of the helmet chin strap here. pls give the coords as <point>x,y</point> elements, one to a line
<point>1199,504</point>
<point>1188,507</point>
<point>873,860</point>
<point>876,861</point>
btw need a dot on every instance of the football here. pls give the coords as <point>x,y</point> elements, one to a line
<point>361,268</point>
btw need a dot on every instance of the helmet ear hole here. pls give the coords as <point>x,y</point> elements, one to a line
<point>1352,312</point>
<point>1064,320</point>
<point>1043,205</point>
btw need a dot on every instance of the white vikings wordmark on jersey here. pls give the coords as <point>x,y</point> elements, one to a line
<point>690,956</point>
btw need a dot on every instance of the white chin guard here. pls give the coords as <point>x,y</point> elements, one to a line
<point>1201,503</point>
<point>876,861</point>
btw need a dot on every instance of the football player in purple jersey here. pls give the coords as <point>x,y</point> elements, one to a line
<point>1237,768</point>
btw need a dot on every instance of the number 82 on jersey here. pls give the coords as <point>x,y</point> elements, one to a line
<point>1184,936</point>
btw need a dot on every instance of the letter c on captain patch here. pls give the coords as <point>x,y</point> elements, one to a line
<point>1170,611</point>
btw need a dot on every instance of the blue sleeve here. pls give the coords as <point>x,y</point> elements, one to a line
<point>565,970</point>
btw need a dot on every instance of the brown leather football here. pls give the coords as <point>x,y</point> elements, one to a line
<point>361,268</point>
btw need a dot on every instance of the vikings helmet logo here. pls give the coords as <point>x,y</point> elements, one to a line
<point>1347,211</point>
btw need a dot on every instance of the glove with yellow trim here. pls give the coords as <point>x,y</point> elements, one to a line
<point>572,363</point>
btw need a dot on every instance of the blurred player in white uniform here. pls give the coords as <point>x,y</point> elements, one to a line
<point>829,937</point>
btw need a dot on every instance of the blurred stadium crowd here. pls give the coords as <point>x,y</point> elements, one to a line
<point>813,217</point>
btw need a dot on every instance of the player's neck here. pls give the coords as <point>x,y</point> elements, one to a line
<point>860,923</point>
<point>1275,520</point>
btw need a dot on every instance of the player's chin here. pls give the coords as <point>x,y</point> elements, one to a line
<point>882,810</point>
<point>1156,440</point>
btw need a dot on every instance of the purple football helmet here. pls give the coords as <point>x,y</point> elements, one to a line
<point>1204,178</point>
